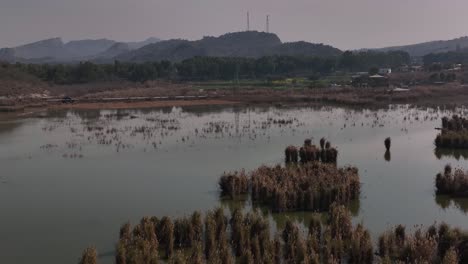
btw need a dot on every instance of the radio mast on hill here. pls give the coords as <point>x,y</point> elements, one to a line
<point>248,21</point>
<point>268,23</point>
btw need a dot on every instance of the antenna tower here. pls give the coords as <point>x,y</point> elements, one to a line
<point>248,21</point>
<point>268,24</point>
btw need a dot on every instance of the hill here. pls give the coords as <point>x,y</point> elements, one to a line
<point>87,48</point>
<point>55,50</point>
<point>250,44</point>
<point>440,46</point>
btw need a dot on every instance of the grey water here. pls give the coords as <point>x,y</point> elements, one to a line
<point>70,179</point>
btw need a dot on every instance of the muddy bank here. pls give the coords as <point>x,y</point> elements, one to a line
<point>174,95</point>
<point>143,104</point>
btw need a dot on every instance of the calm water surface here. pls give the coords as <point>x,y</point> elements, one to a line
<point>70,179</point>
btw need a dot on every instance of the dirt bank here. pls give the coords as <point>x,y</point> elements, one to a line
<point>142,104</point>
<point>168,95</point>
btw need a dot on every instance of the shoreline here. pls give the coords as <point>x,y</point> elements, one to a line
<point>449,97</point>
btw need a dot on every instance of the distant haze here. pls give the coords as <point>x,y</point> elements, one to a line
<point>343,24</point>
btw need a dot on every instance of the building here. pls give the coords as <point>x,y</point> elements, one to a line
<point>364,81</point>
<point>385,71</point>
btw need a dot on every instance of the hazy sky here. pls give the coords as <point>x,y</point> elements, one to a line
<point>346,24</point>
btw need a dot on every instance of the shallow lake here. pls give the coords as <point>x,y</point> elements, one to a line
<point>70,179</point>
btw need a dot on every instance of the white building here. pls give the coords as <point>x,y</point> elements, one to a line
<point>385,71</point>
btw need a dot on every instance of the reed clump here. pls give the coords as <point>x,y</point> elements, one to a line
<point>388,143</point>
<point>89,256</point>
<point>291,154</point>
<point>456,123</point>
<point>246,238</point>
<point>234,184</point>
<point>454,133</point>
<point>453,183</point>
<point>311,153</point>
<point>436,244</point>
<point>139,245</point>
<point>311,187</point>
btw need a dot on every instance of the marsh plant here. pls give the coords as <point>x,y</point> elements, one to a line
<point>89,256</point>
<point>452,183</point>
<point>454,133</point>
<point>311,187</point>
<point>234,184</point>
<point>388,143</point>
<point>310,153</point>
<point>436,244</point>
<point>245,237</point>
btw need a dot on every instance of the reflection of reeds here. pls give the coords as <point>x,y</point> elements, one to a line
<point>387,156</point>
<point>451,153</point>
<point>445,201</point>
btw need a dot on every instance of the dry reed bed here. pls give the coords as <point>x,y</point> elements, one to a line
<point>436,244</point>
<point>451,183</point>
<point>311,187</point>
<point>454,133</point>
<point>246,238</point>
<point>242,238</point>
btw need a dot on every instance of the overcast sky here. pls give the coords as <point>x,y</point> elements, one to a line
<point>346,24</point>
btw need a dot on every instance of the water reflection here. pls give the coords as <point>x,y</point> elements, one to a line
<point>303,218</point>
<point>445,202</point>
<point>388,156</point>
<point>131,167</point>
<point>441,153</point>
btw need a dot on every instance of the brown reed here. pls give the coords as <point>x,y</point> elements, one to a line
<point>454,184</point>
<point>312,187</point>
<point>89,256</point>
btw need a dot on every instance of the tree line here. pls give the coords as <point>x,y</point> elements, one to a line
<point>446,58</point>
<point>211,68</point>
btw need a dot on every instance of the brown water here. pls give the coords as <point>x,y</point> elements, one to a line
<point>70,179</point>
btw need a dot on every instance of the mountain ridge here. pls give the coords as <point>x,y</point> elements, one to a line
<point>55,50</point>
<point>237,44</point>
<point>436,46</point>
